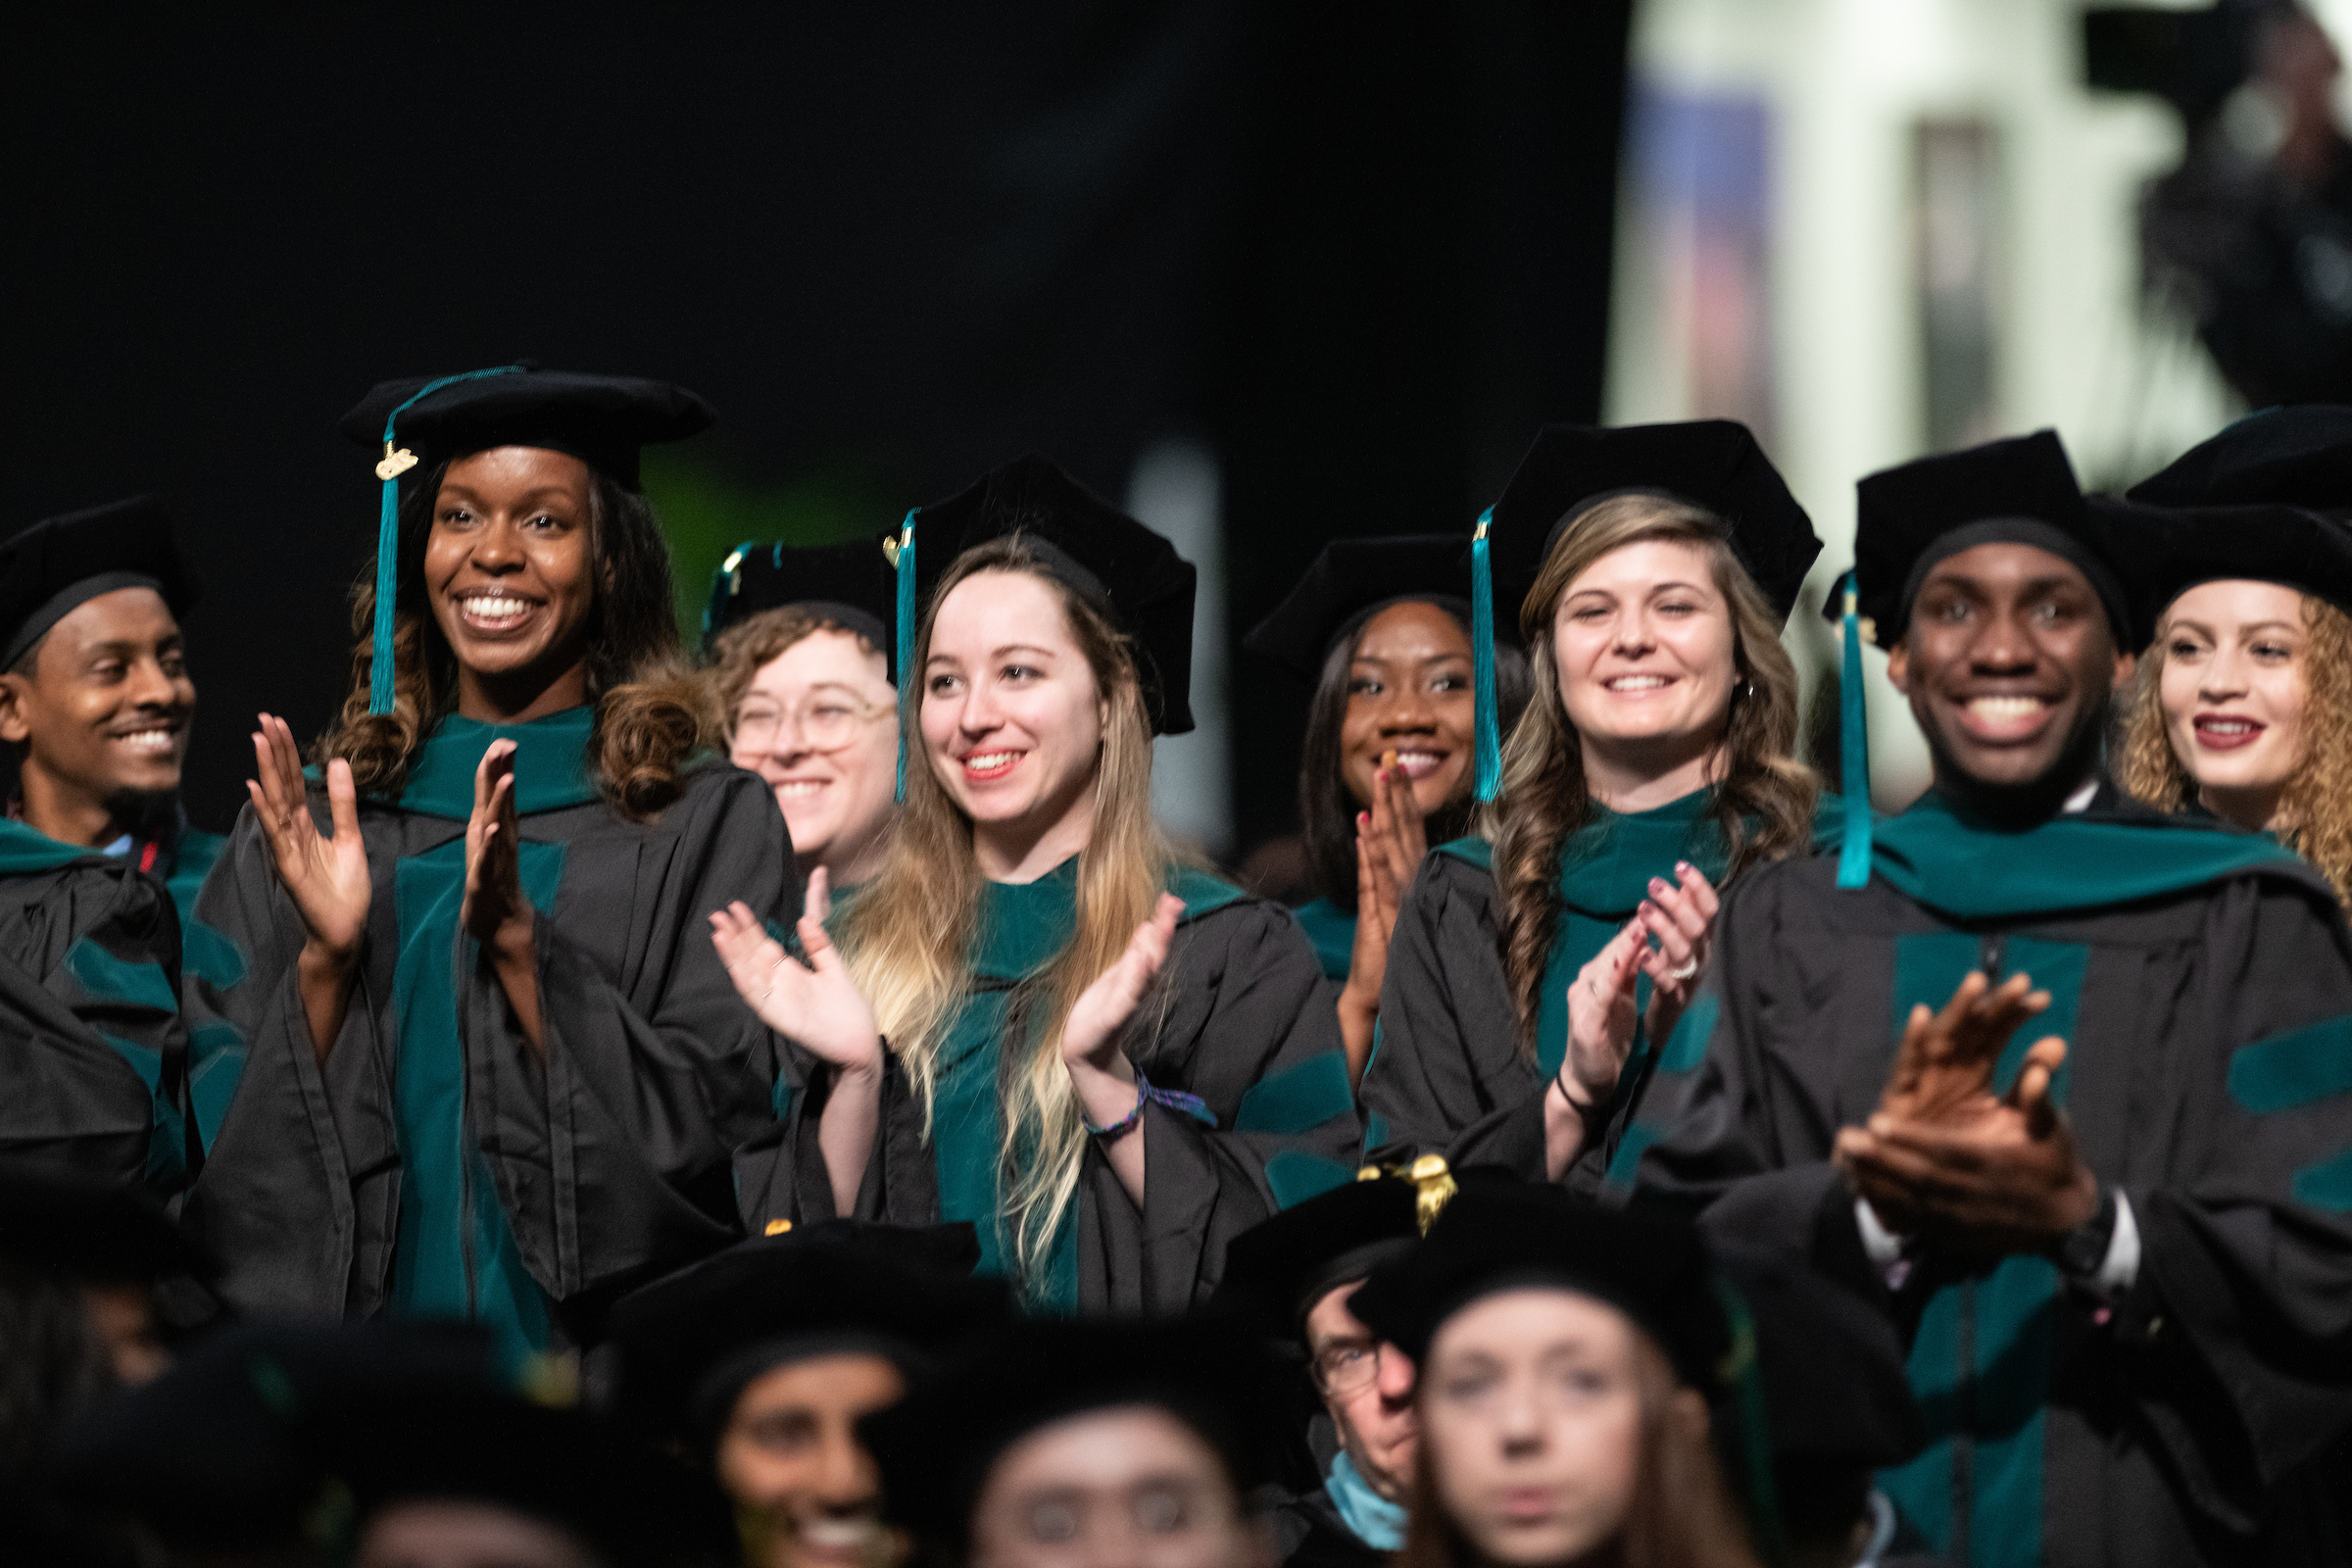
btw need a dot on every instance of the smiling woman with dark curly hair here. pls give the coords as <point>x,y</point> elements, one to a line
<point>494,1067</point>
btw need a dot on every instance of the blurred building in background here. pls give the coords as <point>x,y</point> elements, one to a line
<point>1876,228</point>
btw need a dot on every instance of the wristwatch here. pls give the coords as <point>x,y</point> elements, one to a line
<point>2083,1252</point>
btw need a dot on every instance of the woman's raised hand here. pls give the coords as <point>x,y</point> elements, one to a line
<point>1680,916</point>
<point>815,1004</point>
<point>327,878</point>
<point>495,914</point>
<point>1090,1039</point>
<point>1601,1019</point>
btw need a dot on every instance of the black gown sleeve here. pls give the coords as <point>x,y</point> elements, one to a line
<point>94,1047</point>
<point>1447,1057</point>
<point>288,1186</point>
<point>612,1147</point>
<point>2238,1330</point>
<point>1242,1020</point>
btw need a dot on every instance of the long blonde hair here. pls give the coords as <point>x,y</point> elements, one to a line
<point>2314,809</point>
<point>1543,799</point>
<point>907,938</point>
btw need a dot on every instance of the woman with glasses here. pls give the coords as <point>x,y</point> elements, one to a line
<point>799,645</point>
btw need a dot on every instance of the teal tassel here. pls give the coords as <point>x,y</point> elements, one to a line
<point>905,639</point>
<point>387,589</point>
<point>387,537</point>
<point>1742,1377</point>
<point>1853,751</point>
<point>1489,723</point>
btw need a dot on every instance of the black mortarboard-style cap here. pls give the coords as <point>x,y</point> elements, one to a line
<point>2298,457</point>
<point>848,584</point>
<point>426,1440</point>
<point>57,565</point>
<point>1349,579</point>
<point>936,1446</point>
<point>600,420</point>
<point>1121,569</point>
<point>417,422</point>
<point>1650,1267</point>
<point>108,1235</point>
<point>217,1453</point>
<point>689,1344</point>
<point>1713,464</point>
<point>1824,1401</point>
<point>1277,1270</point>
<point>2016,491</point>
<point>1833,1366</point>
<point>2173,549</point>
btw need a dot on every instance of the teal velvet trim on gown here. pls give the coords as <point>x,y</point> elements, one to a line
<point>1331,930</point>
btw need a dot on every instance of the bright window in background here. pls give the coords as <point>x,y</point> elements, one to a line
<point>1955,183</point>
<point>1701,206</point>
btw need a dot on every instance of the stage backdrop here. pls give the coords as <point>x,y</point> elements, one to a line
<point>1352,253</point>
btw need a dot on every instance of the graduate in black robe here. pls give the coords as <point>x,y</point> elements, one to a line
<point>1209,1086</point>
<point>1469,1065</point>
<point>95,700</point>
<point>1293,1278</point>
<point>496,1071</point>
<point>1380,632</point>
<point>2105,1186</point>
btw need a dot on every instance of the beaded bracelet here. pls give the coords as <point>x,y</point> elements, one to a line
<point>1192,1105</point>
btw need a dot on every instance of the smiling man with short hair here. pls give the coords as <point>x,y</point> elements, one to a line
<point>2121,1239</point>
<point>95,702</point>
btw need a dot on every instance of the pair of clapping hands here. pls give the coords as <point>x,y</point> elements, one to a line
<point>1944,1158</point>
<point>817,1005</point>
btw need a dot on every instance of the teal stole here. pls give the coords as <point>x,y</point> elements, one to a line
<point>216,1050</point>
<point>1330,931</point>
<point>456,1254</point>
<point>1021,928</point>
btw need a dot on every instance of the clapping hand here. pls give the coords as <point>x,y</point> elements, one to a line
<point>327,878</point>
<point>1680,916</point>
<point>495,914</point>
<point>1390,839</point>
<point>1985,1177</point>
<point>1946,1059</point>
<point>814,1004</point>
<point>1091,1037</point>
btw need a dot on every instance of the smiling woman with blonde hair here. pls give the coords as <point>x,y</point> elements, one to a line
<point>2243,706</point>
<point>1037,1018</point>
<point>1650,570</point>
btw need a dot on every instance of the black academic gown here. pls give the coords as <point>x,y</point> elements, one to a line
<point>438,1164</point>
<point>1240,1019</point>
<point>2203,982</point>
<point>1447,1074</point>
<point>94,1047</point>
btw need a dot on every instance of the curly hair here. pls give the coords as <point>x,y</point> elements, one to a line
<point>1326,810</point>
<point>652,714</point>
<point>1764,797</point>
<point>2314,809</point>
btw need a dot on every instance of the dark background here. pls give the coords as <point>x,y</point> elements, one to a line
<point>1360,251</point>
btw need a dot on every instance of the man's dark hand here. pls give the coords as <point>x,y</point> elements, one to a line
<point>1986,1178</point>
